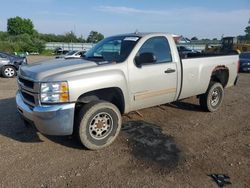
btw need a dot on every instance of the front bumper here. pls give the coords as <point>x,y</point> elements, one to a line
<point>51,119</point>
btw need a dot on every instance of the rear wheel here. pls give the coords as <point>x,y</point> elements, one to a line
<point>212,99</point>
<point>98,124</point>
<point>8,71</point>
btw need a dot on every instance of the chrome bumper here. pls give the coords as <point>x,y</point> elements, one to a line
<point>51,119</point>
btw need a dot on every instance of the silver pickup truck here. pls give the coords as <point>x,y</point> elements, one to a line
<point>120,74</point>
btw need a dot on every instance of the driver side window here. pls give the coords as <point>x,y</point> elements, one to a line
<point>159,47</point>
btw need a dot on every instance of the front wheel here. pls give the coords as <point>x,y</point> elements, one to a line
<point>98,124</point>
<point>8,71</point>
<point>212,99</point>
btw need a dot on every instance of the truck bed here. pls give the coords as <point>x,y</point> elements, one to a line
<point>198,70</point>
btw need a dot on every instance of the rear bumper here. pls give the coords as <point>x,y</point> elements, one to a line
<point>50,120</point>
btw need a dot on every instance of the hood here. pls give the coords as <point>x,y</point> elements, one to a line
<point>16,58</point>
<point>42,70</point>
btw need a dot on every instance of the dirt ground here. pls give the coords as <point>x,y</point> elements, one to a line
<point>175,145</point>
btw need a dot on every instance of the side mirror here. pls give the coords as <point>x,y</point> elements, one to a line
<point>145,58</point>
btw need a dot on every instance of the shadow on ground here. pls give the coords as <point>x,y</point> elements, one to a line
<point>12,126</point>
<point>185,106</point>
<point>149,144</point>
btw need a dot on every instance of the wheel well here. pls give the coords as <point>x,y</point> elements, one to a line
<point>9,65</point>
<point>113,95</point>
<point>220,74</point>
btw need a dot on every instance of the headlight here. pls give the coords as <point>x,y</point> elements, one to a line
<point>54,92</point>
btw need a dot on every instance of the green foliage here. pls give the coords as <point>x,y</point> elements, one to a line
<point>47,52</point>
<point>94,37</point>
<point>20,43</point>
<point>22,37</point>
<point>68,37</point>
<point>8,46</point>
<point>19,26</point>
<point>247,31</point>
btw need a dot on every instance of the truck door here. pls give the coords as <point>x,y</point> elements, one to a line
<point>153,82</point>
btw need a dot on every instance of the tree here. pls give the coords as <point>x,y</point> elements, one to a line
<point>194,38</point>
<point>247,31</point>
<point>81,39</point>
<point>94,37</point>
<point>18,26</point>
<point>70,37</point>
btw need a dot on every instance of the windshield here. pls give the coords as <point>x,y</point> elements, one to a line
<point>245,55</point>
<point>112,49</point>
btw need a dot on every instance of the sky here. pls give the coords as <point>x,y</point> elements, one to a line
<point>200,18</point>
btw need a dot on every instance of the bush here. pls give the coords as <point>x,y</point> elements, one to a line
<point>9,47</point>
<point>47,52</point>
<point>20,43</point>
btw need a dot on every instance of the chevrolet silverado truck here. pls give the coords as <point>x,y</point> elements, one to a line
<point>118,75</point>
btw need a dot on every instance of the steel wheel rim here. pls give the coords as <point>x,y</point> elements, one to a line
<point>9,72</point>
<point>101,126</point>
<point>215,98</point>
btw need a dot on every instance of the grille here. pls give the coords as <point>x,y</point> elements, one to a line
<point>28,98</point>
<point>29,91</point>
<point>26,83</point>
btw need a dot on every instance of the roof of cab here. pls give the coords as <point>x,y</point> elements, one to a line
<point>138,34</point>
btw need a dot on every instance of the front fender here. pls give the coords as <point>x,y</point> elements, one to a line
<point>99,80</point>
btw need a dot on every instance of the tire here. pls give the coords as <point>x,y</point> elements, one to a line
<point>213,98</point>
<point>8,71</point>
<point>98,124</point>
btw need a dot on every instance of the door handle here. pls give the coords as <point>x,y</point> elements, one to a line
<point>169,71</point>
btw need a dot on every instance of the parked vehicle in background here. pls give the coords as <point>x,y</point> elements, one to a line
<point>229,45</point>
<point>184,51</point>
<point>118,75</point>
<point>245,62</point>
<point>61,53</point>
<point>34,53</point>
<point>75,54</point>
<point>9,64</point>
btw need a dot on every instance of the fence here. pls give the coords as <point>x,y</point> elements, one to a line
<point>68,46</point>
<point>199,45</point>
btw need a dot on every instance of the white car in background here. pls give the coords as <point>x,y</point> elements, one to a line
<point>75,54</point>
